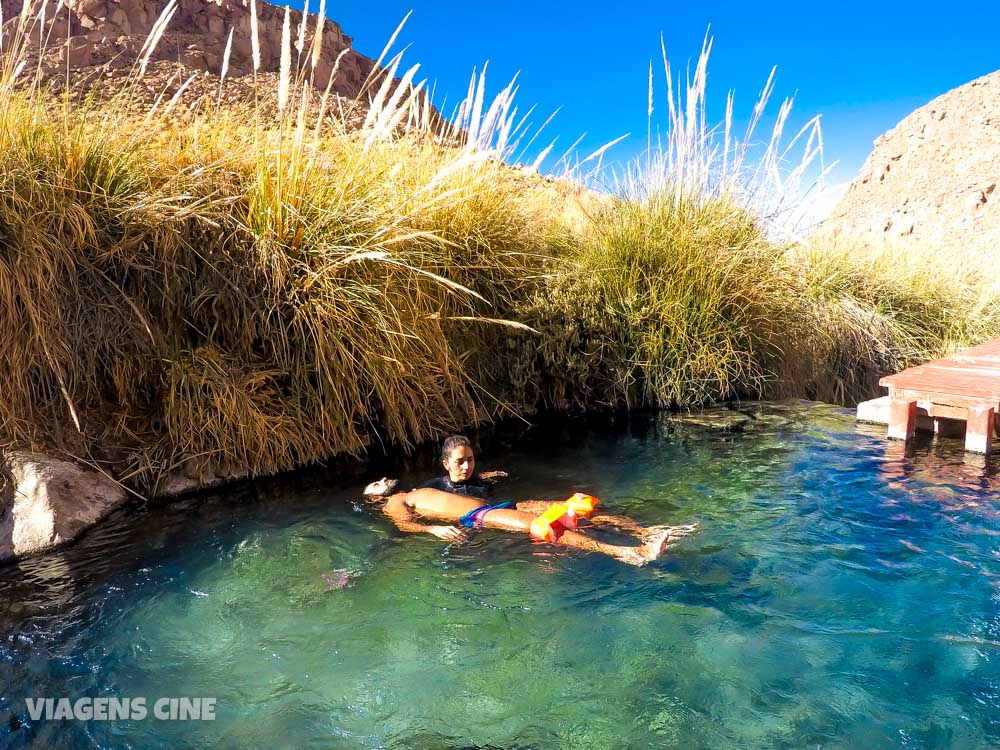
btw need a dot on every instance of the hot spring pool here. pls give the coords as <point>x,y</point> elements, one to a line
<point>838,595</point>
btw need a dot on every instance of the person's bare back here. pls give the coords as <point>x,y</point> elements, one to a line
<point>410,511</point>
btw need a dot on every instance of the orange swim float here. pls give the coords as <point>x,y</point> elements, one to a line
<point>551,524</point>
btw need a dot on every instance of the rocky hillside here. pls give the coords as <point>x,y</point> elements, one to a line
<point>934,177</point>
<point>110,33</point>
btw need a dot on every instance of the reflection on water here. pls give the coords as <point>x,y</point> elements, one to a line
<point>842,593</point>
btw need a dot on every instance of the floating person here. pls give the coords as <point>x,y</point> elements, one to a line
<point>459,461</point>
<point>549,521</point>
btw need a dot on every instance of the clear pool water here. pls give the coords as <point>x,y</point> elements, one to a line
<point>840,594</point>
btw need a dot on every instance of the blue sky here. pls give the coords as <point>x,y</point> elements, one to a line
<point>863,66</point>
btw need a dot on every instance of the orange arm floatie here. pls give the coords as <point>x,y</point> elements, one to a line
<point>551,524</point>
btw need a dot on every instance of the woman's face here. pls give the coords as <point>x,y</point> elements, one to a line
<point>461,463</point>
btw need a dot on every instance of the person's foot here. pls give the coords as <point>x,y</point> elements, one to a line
<point>632,556</point>
<point>675,532</point>
<point>655,539</point>
<point>655,543</point>
<point>660,536</point>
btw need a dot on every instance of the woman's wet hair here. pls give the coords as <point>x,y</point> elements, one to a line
<point>453,442</point>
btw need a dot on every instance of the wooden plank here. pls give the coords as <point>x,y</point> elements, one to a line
<point>974,367</point>
<point>945,399</point>
<point>967,392</point>
<point>990,347</point>
<point>979,430</point>
<point>965,386</point>
<point>902,419</point>
<point>944,371</point>
<point>943,375</point>
<point>941,397</point>
<point>943,410</point>
<point>968,380</point>
<point>981,360</point>
<point>983,369</point>
<point>980,385</point>
<point>941,381</point>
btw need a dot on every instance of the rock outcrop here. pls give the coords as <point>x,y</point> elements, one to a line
<point>935,177</point>
<point>111,33</point>
<point>46,502</point>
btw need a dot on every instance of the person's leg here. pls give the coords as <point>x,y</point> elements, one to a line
<point>537,507</point>
<point>643,533</point>
<point>516,520</point>
<point>622,523</point>
<point>631,555</point>
<point>508,519</point>
<point>534,507</point>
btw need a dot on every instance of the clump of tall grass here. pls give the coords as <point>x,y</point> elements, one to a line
<point>257,291</point>
<point>701,295</point>
<point>684,286</point>
<point>877,309</point>
<point>676,285</point>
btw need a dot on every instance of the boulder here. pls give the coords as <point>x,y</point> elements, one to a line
<point>78,52</point>
<point>47,502</point>
<point>932,178</point>
<point>210,19</point>
<point>89,7</point>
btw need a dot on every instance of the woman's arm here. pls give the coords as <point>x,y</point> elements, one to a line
<point>401,515</point>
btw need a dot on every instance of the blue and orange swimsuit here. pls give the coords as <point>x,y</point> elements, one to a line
<point>474,487</point>
<point>474,518</point>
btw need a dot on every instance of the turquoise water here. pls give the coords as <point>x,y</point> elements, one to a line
<point>839,594</point>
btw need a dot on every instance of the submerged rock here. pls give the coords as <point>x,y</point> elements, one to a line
<point>717,420</point>
<point>47,502</point>
<point>337,579</point>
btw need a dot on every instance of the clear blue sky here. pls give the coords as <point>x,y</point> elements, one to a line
<point>862,65</point>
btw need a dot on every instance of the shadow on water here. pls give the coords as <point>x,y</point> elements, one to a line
<point>840,593</point>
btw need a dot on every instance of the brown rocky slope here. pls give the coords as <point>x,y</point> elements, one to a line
<point>109,34</point>
<point>934,177</point>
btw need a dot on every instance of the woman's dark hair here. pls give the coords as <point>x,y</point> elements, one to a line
<point>451,443</point>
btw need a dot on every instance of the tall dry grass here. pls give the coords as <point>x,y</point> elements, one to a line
<point>676,291</point>
<point>687,286</point>
<point>249,289</point>
<point>878,309</point>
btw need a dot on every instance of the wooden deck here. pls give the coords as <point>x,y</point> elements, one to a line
<point>965,386</point>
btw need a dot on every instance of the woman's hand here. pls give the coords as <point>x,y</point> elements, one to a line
<point>448,533</point>
<point>493,475</point>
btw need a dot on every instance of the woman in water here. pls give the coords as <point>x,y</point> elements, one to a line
<point>436,501</point>
<point>459,461</point>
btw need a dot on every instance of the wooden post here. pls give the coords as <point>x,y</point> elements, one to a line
<point>902,419</point>
<point>979,429</point>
